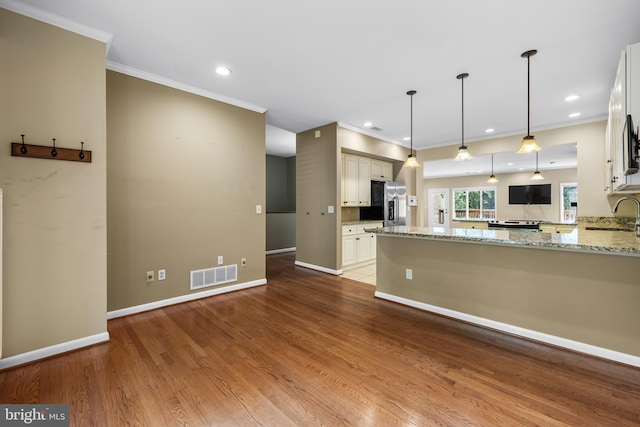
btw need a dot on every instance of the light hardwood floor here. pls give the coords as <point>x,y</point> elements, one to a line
<point>314,349</point>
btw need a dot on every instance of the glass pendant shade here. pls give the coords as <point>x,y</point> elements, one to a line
<point>537,176</point>
<point>412,162</point>
<point>528,145</point>
<point>463,153</point>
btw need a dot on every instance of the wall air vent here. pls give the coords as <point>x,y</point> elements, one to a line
<point>214,276</point>
<point>377,129</point>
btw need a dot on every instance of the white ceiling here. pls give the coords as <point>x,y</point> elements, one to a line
<point>312,63</point>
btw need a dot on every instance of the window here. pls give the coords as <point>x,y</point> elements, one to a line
<point>474,203</point>
<point>569,201</point>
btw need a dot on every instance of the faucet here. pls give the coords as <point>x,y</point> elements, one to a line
<point>615,209</point>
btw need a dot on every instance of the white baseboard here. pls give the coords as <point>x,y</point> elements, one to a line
<point>319,268</point>
<point>183,298</point>
<point>280,251</point>
<point>516,330</point>
<point>53,350</point>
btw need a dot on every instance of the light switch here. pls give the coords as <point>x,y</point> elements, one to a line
<point>258,209</point>
<point>330,209</point>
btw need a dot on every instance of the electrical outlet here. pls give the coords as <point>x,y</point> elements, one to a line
<point>220,260</point>
<point>243,262</point>
<point>162,274</point>
<point>409,274</point>
<point>150,276</point>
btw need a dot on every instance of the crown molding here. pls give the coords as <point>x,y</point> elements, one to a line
<point>154,78</point>
<point>58,21</point>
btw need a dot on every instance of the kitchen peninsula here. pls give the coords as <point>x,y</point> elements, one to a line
<point>578,290</point>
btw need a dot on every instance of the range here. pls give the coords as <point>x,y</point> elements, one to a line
<point>522,224</point>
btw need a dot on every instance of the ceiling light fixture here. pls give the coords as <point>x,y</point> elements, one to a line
<point>528,142</point>
<point>537,175</point>
<point>572,98</point>
<point>492,179</point>
<point>463,152</point>
<point>411,162</point>
<point>223,71</point>
<point>490,130</point>
<point>367,124</point>
<point>573,115</point>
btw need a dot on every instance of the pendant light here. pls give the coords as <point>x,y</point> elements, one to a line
<point>537,175</point>
<point>492,179</point>
<point>411,162</point>
<point>463,152</point>
<point>528,142</point>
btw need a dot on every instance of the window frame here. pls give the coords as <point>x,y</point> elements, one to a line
<point>481,189</point>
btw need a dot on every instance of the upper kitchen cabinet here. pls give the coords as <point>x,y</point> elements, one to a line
<point>381,170</point>
<point>624,116</point>
<point>356,181</point>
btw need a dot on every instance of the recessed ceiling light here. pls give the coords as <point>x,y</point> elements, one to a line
<point>510,164</point>
<point>367,124</point>
<point>571,98</point>
<point>223,71</point>
<point>489,130</point>
<point>406,138</point>
<point>574,115</point>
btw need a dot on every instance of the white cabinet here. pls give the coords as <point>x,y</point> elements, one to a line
<point>364,181</point>
<point>381,170</point>
<point>350,178</point>
<point>358,246</point>
<point>356,181</point>
<point>624,100</point>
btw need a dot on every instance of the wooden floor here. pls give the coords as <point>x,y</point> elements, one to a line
<point>314,349</point>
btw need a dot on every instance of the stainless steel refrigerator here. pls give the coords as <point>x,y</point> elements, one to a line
<point>395,204</point>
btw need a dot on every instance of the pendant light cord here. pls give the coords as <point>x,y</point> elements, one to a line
<point>411,93</point>
<point>528,94</point>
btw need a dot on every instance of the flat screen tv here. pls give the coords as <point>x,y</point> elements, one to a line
<point>538,194</point>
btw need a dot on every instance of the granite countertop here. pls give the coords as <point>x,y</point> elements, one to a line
<point>364,221</point>
<point>580,239</point>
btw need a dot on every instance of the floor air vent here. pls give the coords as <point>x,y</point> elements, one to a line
<point>214,276</point>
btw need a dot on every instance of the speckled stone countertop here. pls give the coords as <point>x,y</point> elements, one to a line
<point>582,240</point>
<point>364,221</point>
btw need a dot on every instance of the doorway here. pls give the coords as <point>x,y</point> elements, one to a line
<point>438,207</point>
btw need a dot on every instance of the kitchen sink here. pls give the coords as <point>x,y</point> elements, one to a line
<point>607,229</point>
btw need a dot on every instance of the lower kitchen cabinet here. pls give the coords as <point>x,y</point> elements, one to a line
<point>358,246</point>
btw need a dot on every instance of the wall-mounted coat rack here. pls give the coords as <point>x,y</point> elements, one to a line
<point>52,152</point>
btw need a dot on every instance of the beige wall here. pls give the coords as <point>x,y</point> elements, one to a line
<point>585,297</point>
<point>52,85</point>
<point>317,187</point>
<point>504,209</point>
<point>592,199</point>
<point>185,174</point>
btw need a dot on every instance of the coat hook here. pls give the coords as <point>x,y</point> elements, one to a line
<point>23,149</point>
<point>81,154</point>
<point>54,153</point>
